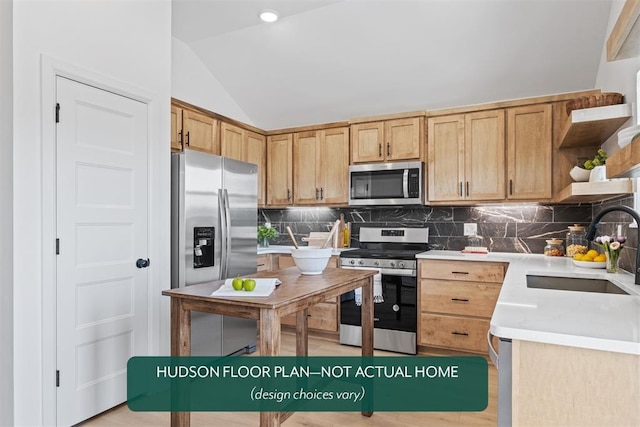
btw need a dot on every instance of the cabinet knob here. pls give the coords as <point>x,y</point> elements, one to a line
<point>388,149</point>
<point>187,138</point>
<point>379,150</point>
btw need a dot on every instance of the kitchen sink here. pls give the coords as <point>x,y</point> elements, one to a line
<point>573,284</point>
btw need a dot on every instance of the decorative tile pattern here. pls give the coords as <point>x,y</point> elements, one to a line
<point>519,228</point>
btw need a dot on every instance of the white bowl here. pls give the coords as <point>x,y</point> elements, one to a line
<point>311,261</point>
<point>590,264</point>
<point>580,175</point>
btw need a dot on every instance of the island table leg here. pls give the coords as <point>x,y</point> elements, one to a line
<point>367,324</point>
<point>269,346</point>
<point>180,346</point>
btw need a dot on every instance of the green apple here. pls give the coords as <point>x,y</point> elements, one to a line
<point>237,283</point>
<point>249,285</point>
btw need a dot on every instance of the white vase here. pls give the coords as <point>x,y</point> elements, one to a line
<point>598,174</point>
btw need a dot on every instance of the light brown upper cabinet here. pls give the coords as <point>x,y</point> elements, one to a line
<point>466,157</point>
<point>399,139</point>
<point>529,145</point>
<point>199,131</point>
<point>176,129</point>
<point>279,170</point>
<point>248,146</point>
<point>320,166</point>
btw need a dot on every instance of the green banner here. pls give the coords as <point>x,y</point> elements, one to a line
<point>413,383</point>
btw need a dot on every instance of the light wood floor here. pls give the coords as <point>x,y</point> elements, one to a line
<point>122,416</point>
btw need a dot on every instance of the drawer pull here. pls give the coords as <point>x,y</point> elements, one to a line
<point>460,299</point>
<point>460,333</point>
<point>459,272</point>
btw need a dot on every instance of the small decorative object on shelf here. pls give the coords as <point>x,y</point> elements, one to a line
<point>598,160</point>
<point>612,246</point>
<point>266,232</point>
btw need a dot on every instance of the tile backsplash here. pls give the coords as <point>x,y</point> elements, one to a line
<point>506,228</point>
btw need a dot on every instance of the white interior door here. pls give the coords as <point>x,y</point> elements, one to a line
<point>101,209</point>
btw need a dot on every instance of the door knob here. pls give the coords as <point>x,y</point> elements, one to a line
<point>142,263</point>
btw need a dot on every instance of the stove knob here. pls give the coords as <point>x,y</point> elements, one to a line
<point>401,264</point>
<point>392,264</point>
<point>361,262</point>
<point>352,262</point>
<point>377,263</point>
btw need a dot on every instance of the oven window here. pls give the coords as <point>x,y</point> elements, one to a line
<point>377,184</point>
<point>397,312</point>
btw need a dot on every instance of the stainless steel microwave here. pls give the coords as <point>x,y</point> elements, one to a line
<point>386,184</point>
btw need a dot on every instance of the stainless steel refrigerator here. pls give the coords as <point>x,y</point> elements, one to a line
<point>214,206</point>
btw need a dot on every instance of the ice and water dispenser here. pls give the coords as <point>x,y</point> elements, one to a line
<point>203,246</point>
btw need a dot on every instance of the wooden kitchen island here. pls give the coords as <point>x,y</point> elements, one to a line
<point>295,295</point>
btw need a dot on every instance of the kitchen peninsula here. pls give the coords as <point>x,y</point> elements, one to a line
<point>575,355</point>
<point>296,294</point>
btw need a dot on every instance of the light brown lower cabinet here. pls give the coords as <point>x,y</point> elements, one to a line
<point>456,300</point>
<point>324,316</point>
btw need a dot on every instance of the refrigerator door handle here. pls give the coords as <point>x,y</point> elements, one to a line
<point>227,231</point>
<point>223,236</point>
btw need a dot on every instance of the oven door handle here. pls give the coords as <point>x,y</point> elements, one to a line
<point>405,184</point>
<point>386,271</point>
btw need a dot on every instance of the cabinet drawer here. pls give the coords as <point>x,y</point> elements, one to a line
<point>264,262</point>
<point>465,298</point>
<point>468,271</point>
<point>322,316</point>
<point>454,332</point>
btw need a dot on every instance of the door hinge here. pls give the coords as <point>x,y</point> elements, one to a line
<point>57,378</point>
<point>57,246</point>
<point>57,112</point>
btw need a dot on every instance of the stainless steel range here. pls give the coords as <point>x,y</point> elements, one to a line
<point>392,251</point>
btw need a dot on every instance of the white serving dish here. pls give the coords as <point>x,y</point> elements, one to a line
<point>579,174</point>
<point>626,135</point>
<point>598,174</point>
<point>589,264</point>
<point>311,261</point>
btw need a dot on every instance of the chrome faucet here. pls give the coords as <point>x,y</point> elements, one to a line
<point>591,233</point>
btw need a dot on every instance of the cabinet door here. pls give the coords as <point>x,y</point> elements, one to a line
<point>176,128</point>
<point>305,149</point>
<point>403,139</point>
<point>255,152</point>
<point>279,176</point>
<point>484,155</point>
<point>333,166</point>
<point>200,132</point>
<point>529,152</point>
<point>367,141</point>
<point>231,141</point>
<point>445,157</point>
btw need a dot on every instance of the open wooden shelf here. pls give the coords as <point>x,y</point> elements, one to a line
<point>593,126</point>
<point>594,191</point>
<point>624,40</point>
<point>625,163</point>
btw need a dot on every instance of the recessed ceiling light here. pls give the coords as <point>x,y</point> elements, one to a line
<point>268,15</point>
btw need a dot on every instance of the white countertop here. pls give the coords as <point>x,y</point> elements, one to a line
<point>282,249</point>
<point>591,320</point>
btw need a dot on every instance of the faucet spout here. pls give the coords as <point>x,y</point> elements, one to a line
<point>593,228</point>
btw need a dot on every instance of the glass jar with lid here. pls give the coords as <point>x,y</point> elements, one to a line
<point>554,248</point>
<point>577,240</point>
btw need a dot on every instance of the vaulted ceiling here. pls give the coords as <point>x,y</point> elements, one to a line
<point>325,61</point>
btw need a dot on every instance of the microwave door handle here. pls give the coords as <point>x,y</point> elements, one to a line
<point>405,183</point>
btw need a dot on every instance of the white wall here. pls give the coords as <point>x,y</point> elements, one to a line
<point>618,76</point>
<point>125,41</point>
<point>192,82</point>
<point>6,213</point>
